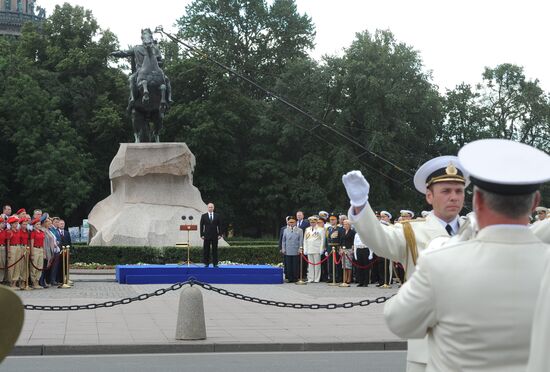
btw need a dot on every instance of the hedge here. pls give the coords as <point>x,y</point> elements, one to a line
<point>243,243</point>
<point>115,255</point>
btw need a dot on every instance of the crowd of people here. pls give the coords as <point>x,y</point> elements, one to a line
<point>325,248</point>
<point>309,243</point>
<point>31,248</point>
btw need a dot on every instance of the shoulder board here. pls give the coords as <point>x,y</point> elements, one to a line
<point>415,220</point>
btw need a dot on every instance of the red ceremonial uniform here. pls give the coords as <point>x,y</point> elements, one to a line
<point>3,237</point>
<point>24,237</point>
<point>15,238</point>
<point>38,237</point>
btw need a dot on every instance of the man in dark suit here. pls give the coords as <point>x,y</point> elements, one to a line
<point>300,221</point>
<point>211,231</point>
<point>65,240</point>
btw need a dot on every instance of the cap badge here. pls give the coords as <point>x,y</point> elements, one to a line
<point>451,170</point>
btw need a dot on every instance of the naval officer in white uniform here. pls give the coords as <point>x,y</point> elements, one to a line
<point>442,180</point>
<point>539,357</point>
<point>480,320</point>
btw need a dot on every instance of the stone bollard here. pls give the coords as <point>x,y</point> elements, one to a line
<point>191,324</point>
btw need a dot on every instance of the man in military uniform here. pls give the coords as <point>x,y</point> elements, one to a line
<point>442,180</point>
<point>335,239</point>
<point>539,358</point>
<point>542,213</point>
<point>475,324</point>
<point>406,215</point>
<point>542,230</point>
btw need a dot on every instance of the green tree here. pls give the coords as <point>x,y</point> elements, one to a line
<point>390,106</point>
<point>251,36</point>
<point>518,108</point>
<point>63,108</point>
<point>466,118</point>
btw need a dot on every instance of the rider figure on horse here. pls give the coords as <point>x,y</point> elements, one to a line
<point>137,54</point>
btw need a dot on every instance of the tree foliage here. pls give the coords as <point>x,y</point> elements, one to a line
<point>61,107</point>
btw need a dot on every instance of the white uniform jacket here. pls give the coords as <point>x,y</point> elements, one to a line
<point>539,357</point>
<point>389,241</point>
<point>542,230</point>
<point>475,300</point>
<point>314,240</point>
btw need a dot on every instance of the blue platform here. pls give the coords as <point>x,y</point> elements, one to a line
<point>224,274</point>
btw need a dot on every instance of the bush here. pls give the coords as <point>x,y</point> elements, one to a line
<point>254,255</point>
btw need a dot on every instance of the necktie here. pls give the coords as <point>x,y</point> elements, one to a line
<point>449,229</point>
<point>210,214</point>
<point>61,232</point>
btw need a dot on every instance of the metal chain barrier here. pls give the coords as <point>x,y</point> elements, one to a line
<point>208,287</point>
<point>367,266</point>
<point>256,300</point>
<point>13,264</point>
<point>311,263</point>
<point>124,301</point>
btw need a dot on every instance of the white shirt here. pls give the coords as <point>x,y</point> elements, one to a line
<point>453,223</point>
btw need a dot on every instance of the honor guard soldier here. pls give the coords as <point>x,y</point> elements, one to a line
<point>481,321</point>
<point>542,230</point>
<point>406,215</point>
<point>442,180</point>
<point>539,358</point>
<point>385,218</point>
<point>542,213</point>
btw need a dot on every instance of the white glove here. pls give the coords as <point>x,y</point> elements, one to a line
<point>357,188</point>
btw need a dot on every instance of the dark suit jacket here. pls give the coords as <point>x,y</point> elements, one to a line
<point>66,238</point>
<point>348,238</point>
<point>305,224</point>
<point>55,233</point>
<point>211,230</point>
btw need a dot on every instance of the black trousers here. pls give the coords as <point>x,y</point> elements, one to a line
<point>363,260</point>
<point>379,267</point>
<point>324,269</point>
<point>207,245</point>
<point>400,273</point>
<point>292,268</point>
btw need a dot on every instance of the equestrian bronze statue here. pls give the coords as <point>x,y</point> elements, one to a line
<point>150,90</point>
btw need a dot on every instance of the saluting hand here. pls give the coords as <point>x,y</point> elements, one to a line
<point>357,188</point>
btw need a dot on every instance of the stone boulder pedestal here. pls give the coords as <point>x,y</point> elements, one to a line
<point>151,189</point>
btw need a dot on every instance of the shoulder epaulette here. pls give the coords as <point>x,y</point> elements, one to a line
<point>415,220</point>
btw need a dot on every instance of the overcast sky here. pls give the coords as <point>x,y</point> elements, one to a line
<point>456,39</point>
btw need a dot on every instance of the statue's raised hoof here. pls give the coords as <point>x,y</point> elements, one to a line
<point>145,98</point>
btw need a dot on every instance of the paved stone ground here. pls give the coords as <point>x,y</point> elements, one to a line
<point>228,321</point>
